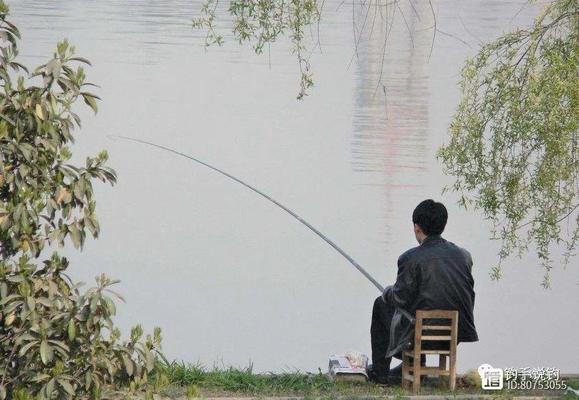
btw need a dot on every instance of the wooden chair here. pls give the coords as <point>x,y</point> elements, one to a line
<point>442,329</point>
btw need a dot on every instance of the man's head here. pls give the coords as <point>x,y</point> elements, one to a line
<point>429,218</point>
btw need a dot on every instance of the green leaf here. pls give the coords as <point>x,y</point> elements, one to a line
<point>8,119</point>
<point>31,303</point>
<point>40,377</point>
<point>15,278</point>
<point>150,361</point>
<point>81,59</point>
<point>46,353</point>
<point>40,113</point>
<point>49,388</point>
<point>75,235</point>
<point>90,100</point>
<point>53,68</point>
<point>129,367</point>
<point>110,305</point>
<point>71,330</point>
<point>9,298</point>
<point>94,303</point>
<point>66,386</point>
<point>59,344</point>
<point>44,301</point>
<point>26,347</point>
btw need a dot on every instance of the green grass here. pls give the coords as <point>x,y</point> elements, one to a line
<point>194,380</point>
<point>243,380</point>
<point>195,377</point>
<point>574,383</point>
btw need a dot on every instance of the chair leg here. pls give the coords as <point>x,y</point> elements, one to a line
<point>416,369</point>
<point>416,382</point>
<point>405,371</point>
<point>442,367</point>
<point>452,371</point>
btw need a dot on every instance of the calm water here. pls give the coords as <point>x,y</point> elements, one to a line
<point>228,277</point>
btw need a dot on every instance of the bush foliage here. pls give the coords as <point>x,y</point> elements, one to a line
<point>55,340</point>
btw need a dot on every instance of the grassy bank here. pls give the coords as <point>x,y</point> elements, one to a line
<point>193,380</point>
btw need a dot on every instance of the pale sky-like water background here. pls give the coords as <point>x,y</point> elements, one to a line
<point>230,278</point>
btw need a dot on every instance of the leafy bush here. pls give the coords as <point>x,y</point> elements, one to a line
<point>55,341</point>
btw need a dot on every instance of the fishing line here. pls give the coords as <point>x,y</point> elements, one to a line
<point>272,200</point>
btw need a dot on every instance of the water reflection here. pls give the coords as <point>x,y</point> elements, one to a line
<point>390,121</point>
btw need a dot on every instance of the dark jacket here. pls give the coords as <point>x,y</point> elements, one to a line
<point>437,275</point>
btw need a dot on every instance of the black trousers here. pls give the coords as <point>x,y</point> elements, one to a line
<point>382,314</point>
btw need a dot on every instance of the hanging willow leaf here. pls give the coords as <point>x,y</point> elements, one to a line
<point>513,141</point>
<point>261,23</point>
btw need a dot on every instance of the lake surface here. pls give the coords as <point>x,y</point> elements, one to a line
<point>230,278</point>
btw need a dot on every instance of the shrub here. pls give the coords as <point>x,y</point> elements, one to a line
<point>55,341</point>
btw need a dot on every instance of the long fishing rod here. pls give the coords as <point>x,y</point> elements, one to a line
<point>290,212</point>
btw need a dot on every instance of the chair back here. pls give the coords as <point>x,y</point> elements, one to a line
<point>435,326</point>
<point>435,333</point>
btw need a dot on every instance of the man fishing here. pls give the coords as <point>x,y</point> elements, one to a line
<point>437,274</point>
<point>434,275</point>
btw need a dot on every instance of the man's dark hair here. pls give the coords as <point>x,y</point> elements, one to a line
<point>431,217</point>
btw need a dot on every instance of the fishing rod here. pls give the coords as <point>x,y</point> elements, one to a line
<point>272,200</point>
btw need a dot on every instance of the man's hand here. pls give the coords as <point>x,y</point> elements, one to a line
<point>385,293</point>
